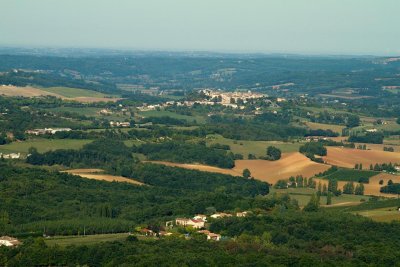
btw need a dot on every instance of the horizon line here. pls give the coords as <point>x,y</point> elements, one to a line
<point>200,51</point>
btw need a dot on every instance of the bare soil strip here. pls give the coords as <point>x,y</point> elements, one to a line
<point>36,92</point>
<point>89,174</point>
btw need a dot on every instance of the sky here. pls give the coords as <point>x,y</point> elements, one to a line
<point>359,27</point>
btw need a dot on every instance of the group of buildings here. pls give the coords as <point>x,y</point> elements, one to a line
<point>10,156</point>
<point>9,241</point>
<point>47,131</point>
<point>211,97</point>
<point>231,97</point>
<point>198,222</point>
<point>120,124</point>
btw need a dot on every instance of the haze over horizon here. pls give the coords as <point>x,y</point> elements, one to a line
<point>353,27</point>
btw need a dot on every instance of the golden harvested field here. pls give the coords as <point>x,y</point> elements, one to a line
<point>94,174</point>
<point>37,92</point>
<point>291,164</point>
<point>25,91</point>
<point>379,147</point>
<point>345,157</point>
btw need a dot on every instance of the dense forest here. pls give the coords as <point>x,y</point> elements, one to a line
<point>34,199</point>
<point>187,153</point>
<point>282,237</point>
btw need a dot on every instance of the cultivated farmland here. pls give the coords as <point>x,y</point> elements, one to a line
<point>347,158</point>
<point>72,94</point>
<point>43,145</point>
<point>291,164</point>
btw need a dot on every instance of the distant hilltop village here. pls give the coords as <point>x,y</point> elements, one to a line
<point>212,97</point>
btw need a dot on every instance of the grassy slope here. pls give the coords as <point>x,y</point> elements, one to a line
<point>258,148</point>
<point>161,113</point>
<point>303,195</point>
<point>323,126</point>
<point>382,214</point>
<point>85,240</point>
<point>43,145</point>
<point>73,92</point>
<point>350,174</point>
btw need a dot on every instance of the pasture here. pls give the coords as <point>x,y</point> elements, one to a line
<point>69,92</point>
<point>257,148</point>
<point>303,195</point>
<point>382,214</point>
<point>43,145</point>
<point>323,126</point>
<point>65,93</point>
<point>350,174</point>
<point>64,241</point>
<point>162,113</point>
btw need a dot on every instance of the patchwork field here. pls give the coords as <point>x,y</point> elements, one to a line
<point>291,164</point>
<point>43,145</point>
<point>72,94</point>
<point>347,158</point>
<point>95,175</point>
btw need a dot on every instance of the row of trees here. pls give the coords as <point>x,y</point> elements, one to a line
<point>295,182</point>
<point>350,189</point>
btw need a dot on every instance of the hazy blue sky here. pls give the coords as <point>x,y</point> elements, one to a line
<point>288,26</point>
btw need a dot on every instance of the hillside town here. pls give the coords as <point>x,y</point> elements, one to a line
<point>210,97</point>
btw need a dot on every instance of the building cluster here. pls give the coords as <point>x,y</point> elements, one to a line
<point>198,222</point>
<point>120,124</point>
<point>10,156</point>
<point>229,98</point>
<point>9,241</point>
<point>212,97</point>
<point>47,131</point>
<point>105,112</point>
